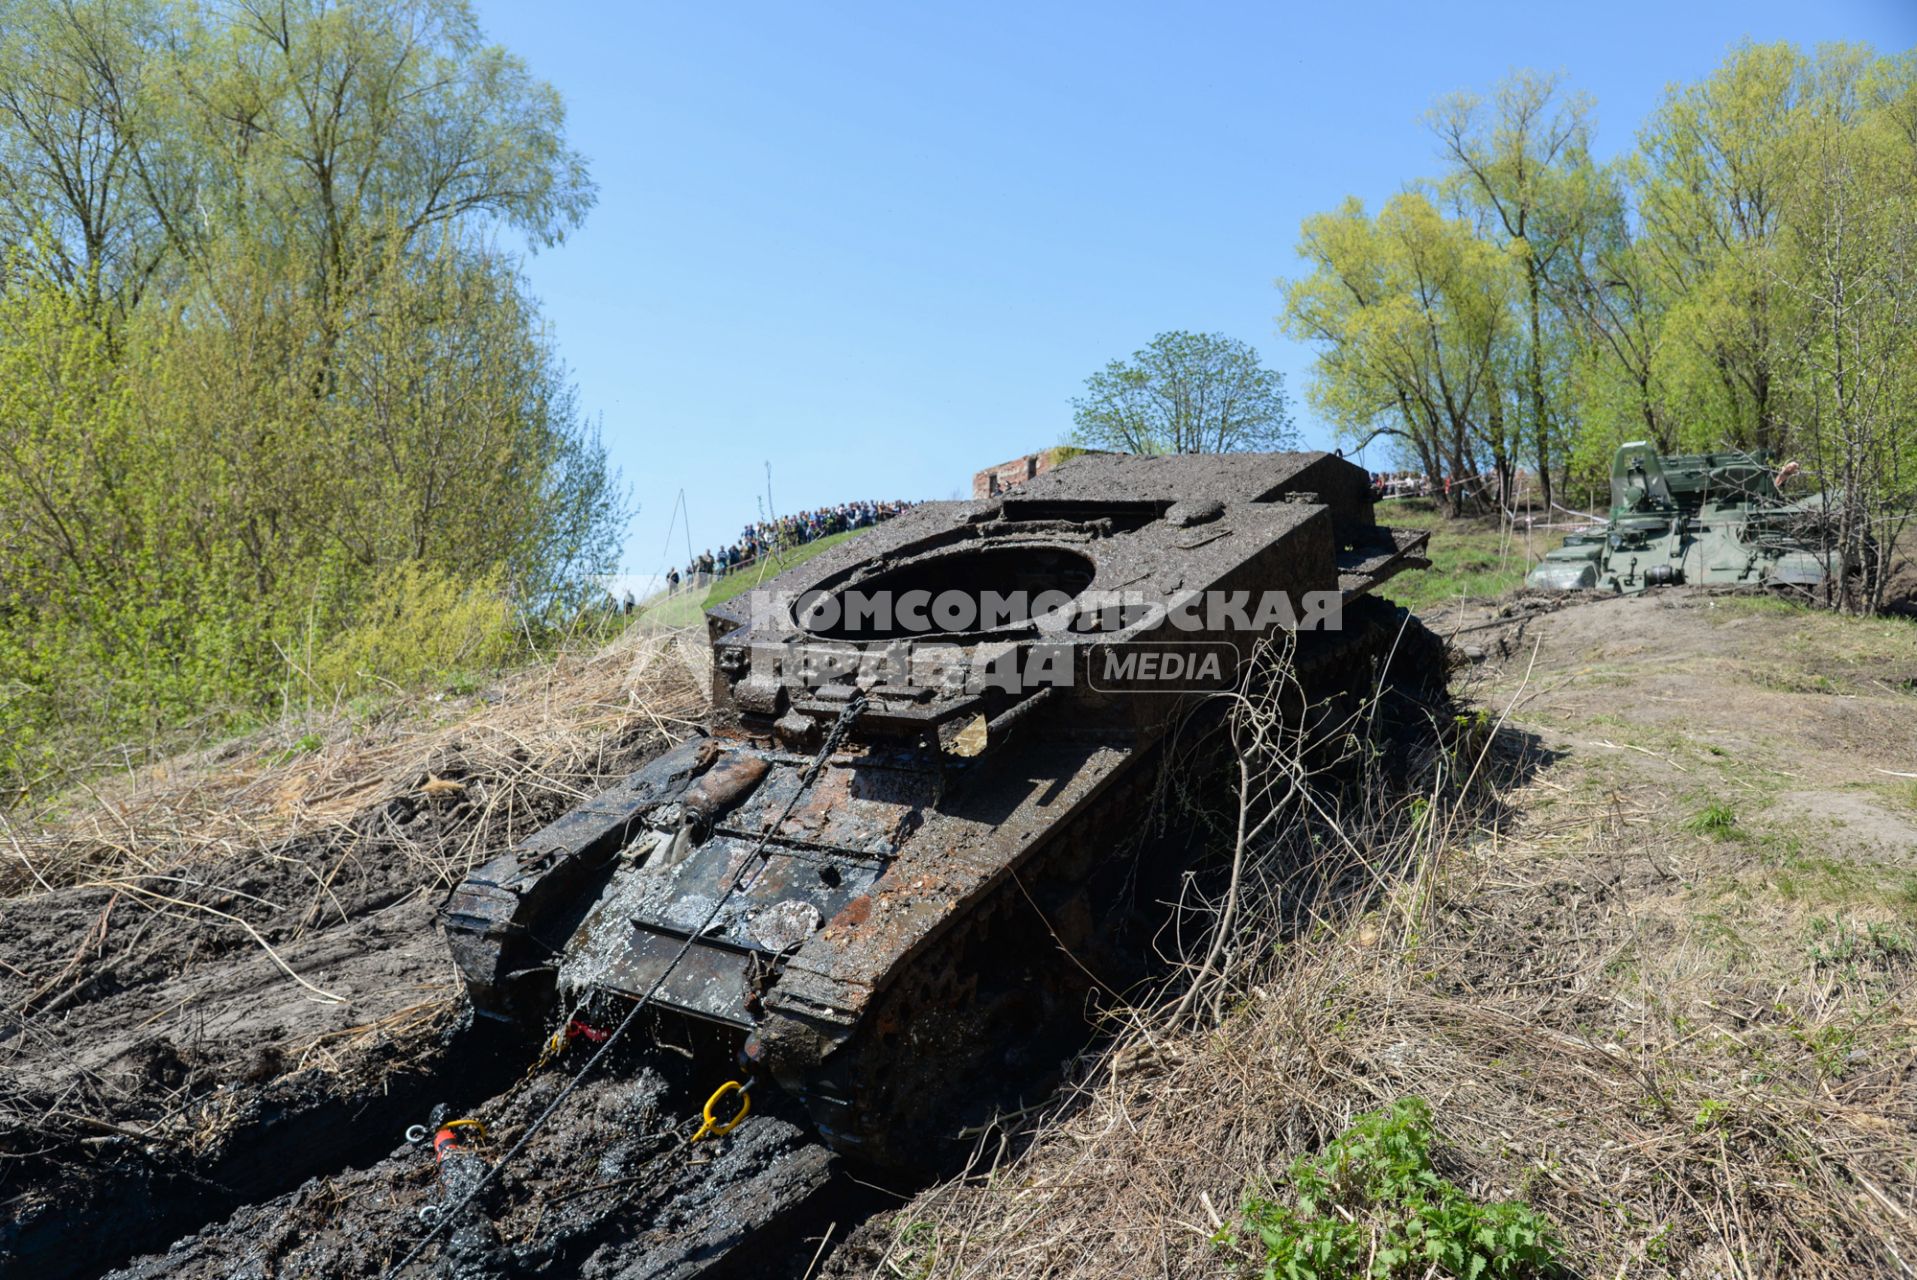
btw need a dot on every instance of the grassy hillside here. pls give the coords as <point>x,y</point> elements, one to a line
<point>1620,975</point>
<point>1470,557</point>
<point>687,609</point>
<point>1641,936</point>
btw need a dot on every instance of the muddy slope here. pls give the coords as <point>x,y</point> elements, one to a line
<point>181,1038</point>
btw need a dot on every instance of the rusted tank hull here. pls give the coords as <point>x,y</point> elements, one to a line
<point>891,888</point>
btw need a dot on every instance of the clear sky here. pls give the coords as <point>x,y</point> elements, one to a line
<point>880,246</point>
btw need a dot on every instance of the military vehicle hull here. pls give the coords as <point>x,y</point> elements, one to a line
<point>905,856</point>
<point>1705,519</point>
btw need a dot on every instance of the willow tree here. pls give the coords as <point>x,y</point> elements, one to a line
<point>79,86</point>
<point>1522,161</point>
<point>1846,304</point>
<point>1710,175</point>
<point>1613,311</point>
<point>141,136</point>
<point>262,355</point>
<point>1411,315</point>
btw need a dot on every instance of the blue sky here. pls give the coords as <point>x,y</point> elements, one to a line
<point>880,246</point>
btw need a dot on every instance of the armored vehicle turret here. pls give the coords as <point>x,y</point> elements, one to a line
<point>1715,519</point>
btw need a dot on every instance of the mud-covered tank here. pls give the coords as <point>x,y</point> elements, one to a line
<point>1714,519</point>
<point>920,827</point>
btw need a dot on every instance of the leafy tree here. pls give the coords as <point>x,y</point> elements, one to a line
<point>260,360</point>
<point>1185,393</point>
<point>1709,175</point>
<point>141,136</point>
<point>1523,164</point>
<point>1846,313</point>
<point>1411,314</point>
<point>1614,309</point>
<point>1746,278</point>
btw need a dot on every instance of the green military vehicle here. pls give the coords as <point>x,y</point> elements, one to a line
<point>1713,519</point>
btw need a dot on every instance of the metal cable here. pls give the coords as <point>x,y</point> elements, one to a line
<point>754,863</point>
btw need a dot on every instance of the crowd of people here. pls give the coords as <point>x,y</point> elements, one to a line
<point>1415,484</point>
<point>1400,484</point>
<point>787,531</point>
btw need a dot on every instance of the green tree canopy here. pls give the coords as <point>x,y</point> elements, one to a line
<point>1746,277</point>
<point>1184,393</point>
<point>261,356</point>
<point>1521,164</point>
<point>140,137</point>
<point>1411,313</point>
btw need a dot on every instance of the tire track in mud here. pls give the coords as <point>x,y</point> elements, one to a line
<point>159,1069</point>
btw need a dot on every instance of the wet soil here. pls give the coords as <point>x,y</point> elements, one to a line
<point>179,1040</point>
<point>610,1188</point>
<point>212,1070</point>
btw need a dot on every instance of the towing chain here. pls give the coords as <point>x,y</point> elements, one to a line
<point>848,715</point>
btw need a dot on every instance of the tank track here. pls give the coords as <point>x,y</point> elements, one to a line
<point>974,1009</point>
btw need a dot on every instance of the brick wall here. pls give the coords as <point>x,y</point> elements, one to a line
<point>1007,475</point>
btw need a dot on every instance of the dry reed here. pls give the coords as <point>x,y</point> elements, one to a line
<point>542,734</point>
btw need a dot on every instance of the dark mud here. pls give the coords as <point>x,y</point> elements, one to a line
<point>178,1104</point>
<point>609,1188</point>
<point>161,1065</point>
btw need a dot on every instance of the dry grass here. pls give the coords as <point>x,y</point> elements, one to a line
<point>1678,1107</point>
<point>327,1049</point>
<point>539,733</point>
<point>1608,1018</point>
<point>280,846</point>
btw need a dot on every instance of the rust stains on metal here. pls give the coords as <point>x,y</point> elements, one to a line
<point>899,936</point>
<point>726,782</point>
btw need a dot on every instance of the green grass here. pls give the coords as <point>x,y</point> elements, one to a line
<point>1469,557</point>
<point>1843,884</point>
<point>1717,820</point>
<point>304,746</point>
<point>688,610</point>
<point>1842,944</point>
<point>739,583</point>
<point>1905,795</point>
